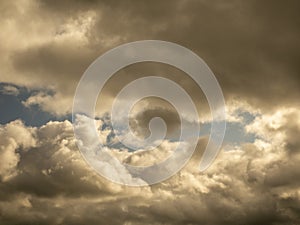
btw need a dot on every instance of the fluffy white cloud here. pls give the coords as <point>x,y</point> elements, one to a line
<point>47,180</point>
<point>55,104</point>
<point>14,137</point>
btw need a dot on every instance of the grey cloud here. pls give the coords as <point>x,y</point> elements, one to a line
<point>252,46</point>
<point>61,65</point>
<point>140,122</point>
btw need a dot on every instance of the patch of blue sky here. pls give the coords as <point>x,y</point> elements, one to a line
<point>12,108</point>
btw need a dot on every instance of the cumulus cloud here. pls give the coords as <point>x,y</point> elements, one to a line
<point>14,136</point>
<point>45,180</point>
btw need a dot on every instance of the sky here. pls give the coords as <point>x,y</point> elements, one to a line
<point>252,47</point>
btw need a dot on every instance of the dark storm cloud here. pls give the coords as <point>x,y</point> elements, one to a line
<point>252,46</point>
<point>59,64</point>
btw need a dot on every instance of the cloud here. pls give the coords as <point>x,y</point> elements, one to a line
<point>56,104</point>
<point>281,128</point>
<point>9,90</point>
<point>49,182</point>
<point>252,47</point>
<point>239,47</point>
<point>14,136</point>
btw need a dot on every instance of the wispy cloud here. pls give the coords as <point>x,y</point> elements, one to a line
<point>9,90</point>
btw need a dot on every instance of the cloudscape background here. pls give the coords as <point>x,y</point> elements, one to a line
<point>251,46</point>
